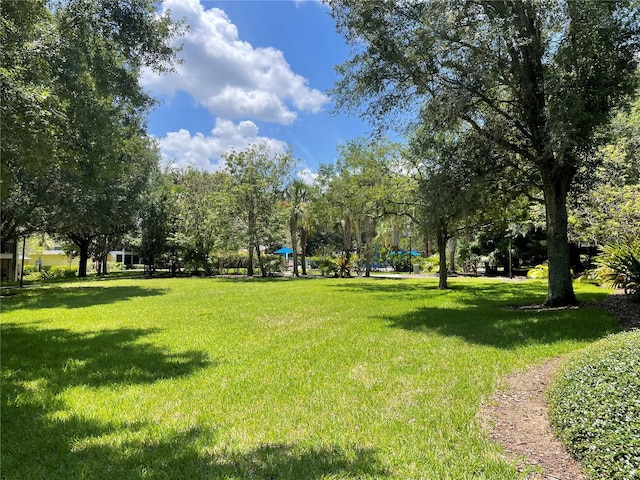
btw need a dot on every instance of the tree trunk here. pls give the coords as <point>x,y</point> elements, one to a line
<point>560,286</point>
<point>358,235</point>
<point>453,243</point>
<point>84,257</point>
<point>250,265</point>
<point>104,255</point>
<point>368,256</point>
<point>150,265</point>
<point>263,271</point>
<point>251,234</point>
<point>396,238</point>
<point>370,231</point>
<point>293,228</point>
<point>303,248</point>
<point>442,253</point>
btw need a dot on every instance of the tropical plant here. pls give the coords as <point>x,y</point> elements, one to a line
<point>619,267</point>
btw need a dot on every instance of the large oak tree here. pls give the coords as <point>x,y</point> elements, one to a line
<point>534,78</point>
<point>73,110</point>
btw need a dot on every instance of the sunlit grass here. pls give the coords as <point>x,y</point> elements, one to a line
<point>286,379</point>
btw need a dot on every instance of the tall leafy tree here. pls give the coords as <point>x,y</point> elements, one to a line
<point>72,102</point>
<point>450,190</point>
<point>154,219</point>
<point>29,112</point>
<point>607,209</point>
<point>257,179</point>
<point>203,214</point>
<point>297,201</point>
<point>101,199</point>
<point>363,186</point>
<point>534,78</point>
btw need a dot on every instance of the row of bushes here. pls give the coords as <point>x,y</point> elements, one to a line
<point>32,274</point>
<point>338,266</point>
<point>225,264</point>
<point>594,407</point>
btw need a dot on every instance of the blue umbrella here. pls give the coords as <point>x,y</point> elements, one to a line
<point>284,251</point>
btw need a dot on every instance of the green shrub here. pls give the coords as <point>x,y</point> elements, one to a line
<point>33,276</point>
<point>49,273</point>
<point>430,264</point>
<point>328,267</point>
<point>273,263</point>
<point>619,267</point>
<point>115,266</point>
<point>539,271</point>
<point>595,407</point>
<point>402,262</point>
<point>59,271</point>
<point>28,269</point>
<point>232,261</point>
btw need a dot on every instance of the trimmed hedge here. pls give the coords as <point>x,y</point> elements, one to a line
<point>594,407</point>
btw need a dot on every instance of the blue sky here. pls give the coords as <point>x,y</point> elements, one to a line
<point>252,71</point>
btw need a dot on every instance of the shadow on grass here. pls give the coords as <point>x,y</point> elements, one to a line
<point>508,329</point>
<point>39,365</point>
<point>180,457</point>
<point>42,438</point>
<point>65,358</point>
<point>75,297</point>
<point>476,292</point>
<point>476,312</point>
<point>77,448</point>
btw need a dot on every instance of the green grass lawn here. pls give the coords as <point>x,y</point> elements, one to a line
<point>268,379</point>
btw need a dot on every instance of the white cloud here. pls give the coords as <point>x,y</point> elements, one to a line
<point>307,176</point>
<point>205,151</point>
<point>229,76</point>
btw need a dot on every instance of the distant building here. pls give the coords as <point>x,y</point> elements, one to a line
<point>8,260</point>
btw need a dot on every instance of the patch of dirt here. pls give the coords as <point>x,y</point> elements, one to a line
<point>516,415</point>
<point>516,418</point>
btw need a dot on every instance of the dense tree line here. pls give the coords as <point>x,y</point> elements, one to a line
<point>75,154</point>
<point>521,122</point>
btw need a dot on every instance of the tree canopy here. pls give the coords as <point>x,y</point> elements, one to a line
<point>534,79</point>
<point>72,105</point>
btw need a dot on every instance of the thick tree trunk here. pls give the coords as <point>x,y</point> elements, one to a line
<point>560,287</point>
<point>250,265</point>
<point>442,253</point>
<point>84,257</point>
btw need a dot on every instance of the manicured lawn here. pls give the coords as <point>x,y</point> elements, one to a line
<point>268,379</point>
